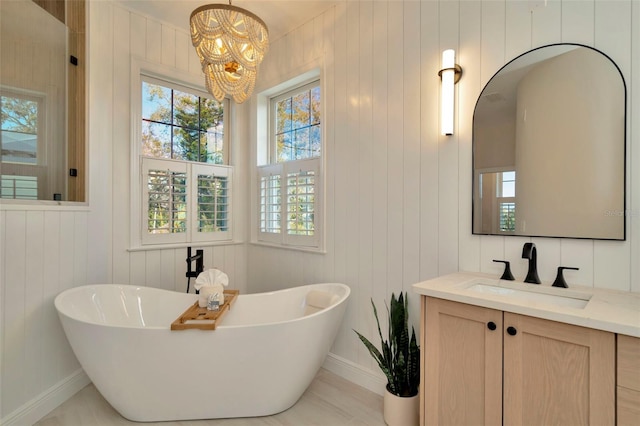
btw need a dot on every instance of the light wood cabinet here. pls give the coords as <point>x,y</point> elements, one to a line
<point>628,401</point>
<point>484,366</point>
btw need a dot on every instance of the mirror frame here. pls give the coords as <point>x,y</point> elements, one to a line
<point>624,141</point>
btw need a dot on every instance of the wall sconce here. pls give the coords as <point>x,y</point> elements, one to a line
<point>449,74</point>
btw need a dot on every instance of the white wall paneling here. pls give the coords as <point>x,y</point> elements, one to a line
<point>398,195</point>
<point>43,253</point>
<point>409,191</point>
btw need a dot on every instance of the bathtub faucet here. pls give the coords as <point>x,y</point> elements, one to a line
<point>199,259</point>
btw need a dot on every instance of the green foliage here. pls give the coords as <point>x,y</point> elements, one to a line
<point>399,358</point>
<point>298,126</point>
<point>19,115</point>
<point>181,125</point>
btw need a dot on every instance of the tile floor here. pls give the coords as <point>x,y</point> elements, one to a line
<point>329,401</point>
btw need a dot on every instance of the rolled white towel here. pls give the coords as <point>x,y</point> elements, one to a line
<point>318,300</point>
<point>210,282</point>
<point>210,277</point>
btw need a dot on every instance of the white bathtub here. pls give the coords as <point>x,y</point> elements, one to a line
<point>258,362</point>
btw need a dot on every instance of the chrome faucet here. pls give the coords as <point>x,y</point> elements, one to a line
<point>529,252</point>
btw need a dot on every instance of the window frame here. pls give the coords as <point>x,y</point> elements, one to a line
<point>176,79</point>
<point>41,136</point>
<point>39,169</point>
<point>273,128</point>
<point>152,79</point>
<point>505,204</point>
<point>266,159</point>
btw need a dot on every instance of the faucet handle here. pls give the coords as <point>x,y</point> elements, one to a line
<point>506,275</point>
<point>560,282</point>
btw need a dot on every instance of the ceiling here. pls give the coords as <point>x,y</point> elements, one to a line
<point>281,16</point>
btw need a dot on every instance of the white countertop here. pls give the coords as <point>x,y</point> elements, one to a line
<point>608,310</point>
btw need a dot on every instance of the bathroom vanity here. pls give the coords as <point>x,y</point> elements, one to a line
<point>506,352</point>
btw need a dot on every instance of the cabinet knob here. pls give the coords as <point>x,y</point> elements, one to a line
<point>491,325</point>
<point>512,331</point>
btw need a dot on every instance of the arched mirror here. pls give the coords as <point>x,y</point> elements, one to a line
<point>42,109</point>
<point>549,147</point>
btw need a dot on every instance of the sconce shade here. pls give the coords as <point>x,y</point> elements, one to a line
<point>231,43</point>
<point>450,74</point>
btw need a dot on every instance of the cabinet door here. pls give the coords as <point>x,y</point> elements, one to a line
<point>461,365</point>
<point>557,374</point>
<point>628,403</point>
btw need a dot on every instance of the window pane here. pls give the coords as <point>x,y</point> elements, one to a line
<point>185,110</point>
<point>300,110</point>
<point>302,144</point>
<point>283,116</point>
<point>19,123</point>
<point>183,126</point>
<point>212,144</point>
<point>507,217</point>
<point>315,141</point>
<point>186,144</point>
<point>509,189</point>
<point>297,121</point>
<point>300,203</point>
<point>156,140</point>
<point>167,202</point>
<point>156,102</point>
<point>270,199</point>
<point>508,184</point>
<point>23,187</point>
<point>211,115</point>
<point>315,105</point>
<point>213,203</point>
<point>285,148</point>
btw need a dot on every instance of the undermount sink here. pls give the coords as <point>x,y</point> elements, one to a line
<point>571,301</point>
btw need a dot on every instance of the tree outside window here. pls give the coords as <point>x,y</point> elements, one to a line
<point>182,126</point>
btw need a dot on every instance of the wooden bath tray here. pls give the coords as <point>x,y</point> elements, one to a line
<point>202,319</point>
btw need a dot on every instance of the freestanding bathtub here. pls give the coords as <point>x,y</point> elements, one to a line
<point>258,362</point>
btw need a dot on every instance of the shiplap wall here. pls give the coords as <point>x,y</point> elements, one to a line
<point>405,215</point>
<point>398,193</point>
<point>126,36</point>
<point>42,253</point>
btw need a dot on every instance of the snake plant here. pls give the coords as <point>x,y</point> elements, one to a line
<point>399,357</point>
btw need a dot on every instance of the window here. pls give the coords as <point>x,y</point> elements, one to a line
<point>186,186</point>
<point>506,193</point>
<point>22,127</point>
<point>19,187</point>
<point>182,125</point>
<point>289,187</point>
<point>296,123</point>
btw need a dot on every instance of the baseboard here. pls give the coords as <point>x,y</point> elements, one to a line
<point>41,405</point>
<point>355,373</point>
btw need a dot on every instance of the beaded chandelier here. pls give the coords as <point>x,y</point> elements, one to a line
<point>231,43</point>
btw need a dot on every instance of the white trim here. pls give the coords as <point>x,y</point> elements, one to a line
<point>152,247</point>
<point>39,205</point>
<point>307,73</point>
<point>141,70</point>
<point>140,67</point>
<point>351,371</point>
<point>43,404</point>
